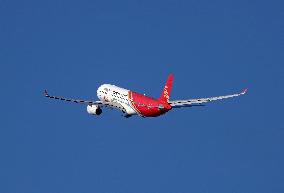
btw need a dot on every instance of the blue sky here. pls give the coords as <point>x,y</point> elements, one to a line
<point>71,47</point>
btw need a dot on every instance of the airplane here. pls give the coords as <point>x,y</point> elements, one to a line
<point>133,103</point>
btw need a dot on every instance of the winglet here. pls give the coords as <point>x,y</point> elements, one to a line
<point>244,91</point>
<point>45,93</point>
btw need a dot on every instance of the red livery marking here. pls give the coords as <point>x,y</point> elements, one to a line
<point>165,96</point>
<point>147,106</point>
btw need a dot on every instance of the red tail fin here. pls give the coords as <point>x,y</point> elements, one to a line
<point>165,96</point>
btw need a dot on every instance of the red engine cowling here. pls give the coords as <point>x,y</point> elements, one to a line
<point>94,110</point>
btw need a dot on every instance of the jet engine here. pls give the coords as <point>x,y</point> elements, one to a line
<point>94,110</point>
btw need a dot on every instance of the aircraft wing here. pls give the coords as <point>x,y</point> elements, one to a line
<point>200,101</point>
<point>74,100</point>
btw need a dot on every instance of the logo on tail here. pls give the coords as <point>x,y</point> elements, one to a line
<point>165,96</point>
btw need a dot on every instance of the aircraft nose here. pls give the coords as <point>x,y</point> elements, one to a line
<point>99,91</point>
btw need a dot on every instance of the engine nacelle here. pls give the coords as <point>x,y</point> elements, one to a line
<point>94,110</point>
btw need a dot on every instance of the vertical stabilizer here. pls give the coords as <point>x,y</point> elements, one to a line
<point>165,96</point>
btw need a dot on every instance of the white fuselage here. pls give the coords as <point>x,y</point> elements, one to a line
<point>116,97</point>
